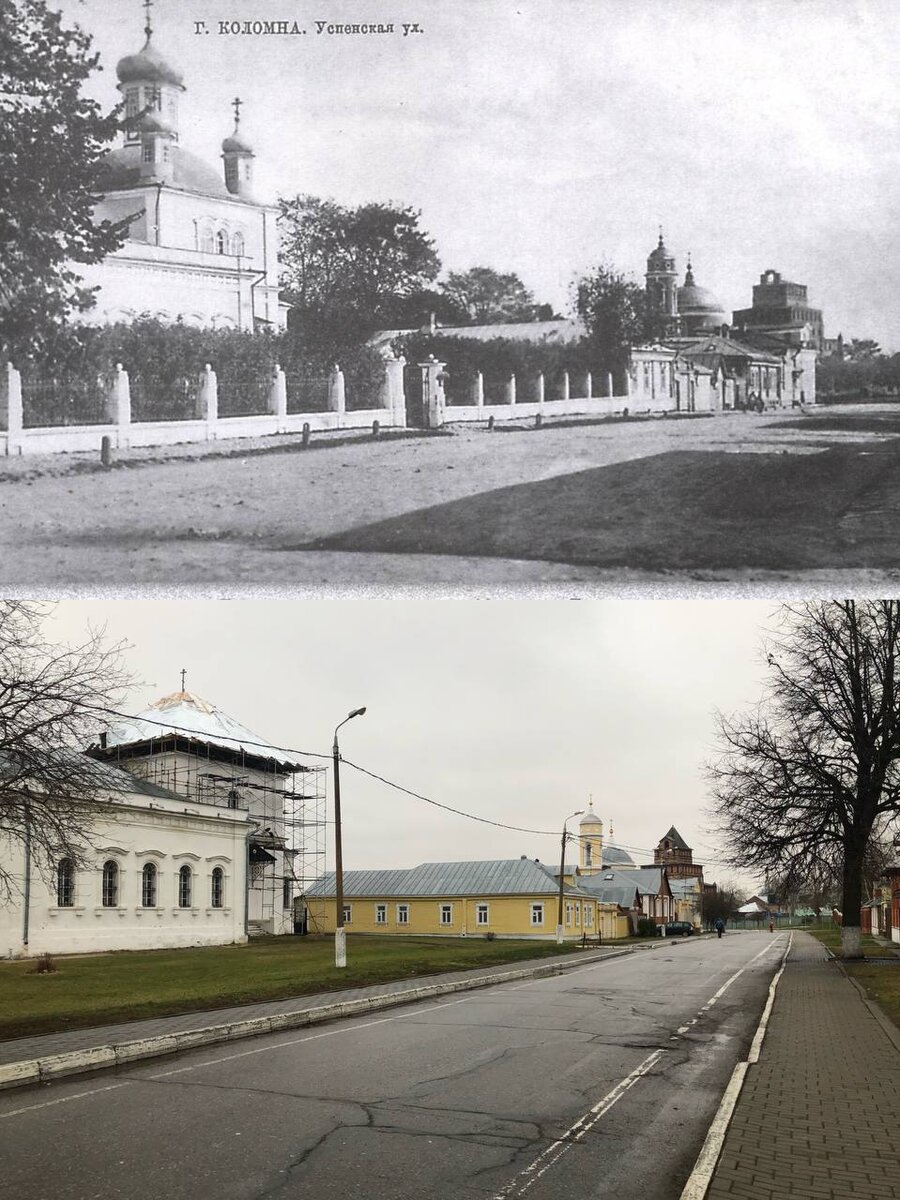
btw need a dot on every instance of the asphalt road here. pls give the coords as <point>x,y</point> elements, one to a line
<point>599,1082</point>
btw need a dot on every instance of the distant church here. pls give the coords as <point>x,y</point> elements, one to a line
<point>689,311</point>
<point>200,248</point>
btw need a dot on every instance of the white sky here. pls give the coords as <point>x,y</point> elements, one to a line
<point>544,136</point>
<point>512,710</point>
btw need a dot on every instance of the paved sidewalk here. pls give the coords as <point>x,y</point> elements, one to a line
<point>42,1045</point>
<point>819,1114</point>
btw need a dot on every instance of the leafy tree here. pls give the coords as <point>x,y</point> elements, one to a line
<point>723,902</point>
<point>486,297</point>
<point>807,784</point>
<point>346,271</point>
<point>862,348</point>
<point>52,700</point>
<point>52,142</point>
<point>615,313</point>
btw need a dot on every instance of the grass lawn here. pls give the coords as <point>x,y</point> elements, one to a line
<point>699,510</point>
<point>99,989</point>
<point>882,984</point>
<point>831,937</point>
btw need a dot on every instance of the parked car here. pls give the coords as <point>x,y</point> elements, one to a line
<point>678,928</point>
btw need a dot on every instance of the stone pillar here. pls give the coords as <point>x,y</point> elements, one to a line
<point>627,391</point>
<point>11,414</point>
<point>588,385</point>
<point>565,386</point>
<point>118,405</point>
<point>336,395</point>
<point>609,384</point>
<point>391,394</point>
<point>434,401</point>
<point>478,390</point>
<point>209,401</point>
<point>511,390</point>
<point>277,404</point>
<point>540,388</point>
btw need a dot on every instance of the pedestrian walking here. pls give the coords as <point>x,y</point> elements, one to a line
<point>720,927</point>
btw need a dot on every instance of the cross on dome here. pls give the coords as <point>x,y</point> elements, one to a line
<point>236,105</point>
<point>148,28</point>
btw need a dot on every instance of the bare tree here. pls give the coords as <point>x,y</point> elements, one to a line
<point>52,699</point>
<point>805,785</point>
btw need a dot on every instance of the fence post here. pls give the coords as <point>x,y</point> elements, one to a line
<point>478,390</point>
<point>118,405</point>
<point>433,399</point>
<point>627,381</point>
<point>589,385</point>
<point>278,398</point>
<point>565,385</point>
<point>540,388</point>
<point>337,400</point>
<point>209,401</point>
<point>11,412</point>
<point>392,395</point>
<point>511,389</point>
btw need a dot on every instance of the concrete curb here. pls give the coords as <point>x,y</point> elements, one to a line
<point>98,1058</point>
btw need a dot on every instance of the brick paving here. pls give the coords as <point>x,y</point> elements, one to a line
<point>818,1117</point>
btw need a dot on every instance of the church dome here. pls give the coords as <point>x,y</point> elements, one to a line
<point>696,301</point>
<point>189,173</point>
<point>590,818</point>
<point>236,145</point>
<point>148,66</point>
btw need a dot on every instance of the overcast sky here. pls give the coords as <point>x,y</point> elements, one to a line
<point>516,711</point>
<point>543,136</point>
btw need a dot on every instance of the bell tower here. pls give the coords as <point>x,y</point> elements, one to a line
<point>662,281</point>
<point>590,841</point>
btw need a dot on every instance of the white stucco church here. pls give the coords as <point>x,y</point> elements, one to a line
<point>200,248</point>
<point>199,841</point>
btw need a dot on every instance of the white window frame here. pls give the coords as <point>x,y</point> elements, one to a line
<point>537,913</point>
<point>402,914</point>
<point>588,916</point>
<point>65,883</point>
<point>155,870</point>
<point>221,889</point>
<point>348,914</point>
<point>381,914</point>
<point>109,896</point>
<point>482,913</point>
<point>445,914</point>
<point>569,908</point>
<point>577,914</point>
<point>185,873</point>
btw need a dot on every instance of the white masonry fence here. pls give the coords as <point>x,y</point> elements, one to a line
<point>19,436</point>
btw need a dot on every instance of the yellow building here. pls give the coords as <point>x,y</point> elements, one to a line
<point>506,898</point>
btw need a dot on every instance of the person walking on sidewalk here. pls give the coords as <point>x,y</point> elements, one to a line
<point>720,927</point>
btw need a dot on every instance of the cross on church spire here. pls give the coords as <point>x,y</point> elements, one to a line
<point>236,105</point>
<point>183,673</point>
<point>148,28</point>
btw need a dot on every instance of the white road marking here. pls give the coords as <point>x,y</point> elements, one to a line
<point>549,1157</point>
<point>61,1100</point>
<point>757,1042</point>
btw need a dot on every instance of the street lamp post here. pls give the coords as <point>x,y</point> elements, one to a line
<point>562,872</point>
<point>340,940</point>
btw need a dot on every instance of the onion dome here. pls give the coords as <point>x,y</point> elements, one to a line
<point>590,817</point>
<point>660,256</point>
<point>236,144</point>
<point>148,66</point>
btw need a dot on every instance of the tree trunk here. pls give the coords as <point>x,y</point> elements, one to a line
<point>851,900</point>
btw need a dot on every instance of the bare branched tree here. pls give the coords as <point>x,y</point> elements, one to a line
<point>805,786</point>
<point>52,699</point>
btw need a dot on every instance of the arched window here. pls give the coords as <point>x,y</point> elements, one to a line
<point>206,240</point>
<point>221,242</point>
<point>237,244</point>
<point>184,887</point>
<point>588,851</point>
<point>65,883</point>
<point>148,885</point>
<point>218,887</point>
<point>110,896</point>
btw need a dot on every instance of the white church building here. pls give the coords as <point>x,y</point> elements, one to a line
<point>202,838</point>
<point>199,247</point>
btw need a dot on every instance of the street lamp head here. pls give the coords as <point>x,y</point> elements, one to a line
<point>357,712</point>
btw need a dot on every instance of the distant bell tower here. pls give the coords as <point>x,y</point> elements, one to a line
<point>237,154</point>
<point>662,281</point>
<point>590,840</point>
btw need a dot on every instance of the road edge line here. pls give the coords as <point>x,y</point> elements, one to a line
<point>704,1168</point>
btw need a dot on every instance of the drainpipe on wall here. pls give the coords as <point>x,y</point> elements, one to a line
<point>159,188</point>
<point>27,904</point>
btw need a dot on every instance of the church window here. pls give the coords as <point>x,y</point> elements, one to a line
<point>166,152</point>
<point>402,914</point>
<point>218,888</point>
<point>110,890</point>
<point>588,852</point>
<point>221,242</point>
<point>537,914</point>
<point>237,244</point>
<point>65,883</point>
<point>482,914</point>
<point>147,154</point>
<point>206,241</point>
<point>153,97</point>
<point>446,914</point>
<point>286,897</point>
<point>132,103</point>
<point>381,914</point>
<point>148,885</point>
<point>184,887</point>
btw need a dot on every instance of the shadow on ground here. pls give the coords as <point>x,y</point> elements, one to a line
<point>675,511</point>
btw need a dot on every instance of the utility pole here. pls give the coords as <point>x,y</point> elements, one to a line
<point>562,872</point>
<point>340,941</point>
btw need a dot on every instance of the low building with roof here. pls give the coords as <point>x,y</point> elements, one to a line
<point>648,885</point>
<point>504,898</point>
<point>200,248</point>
